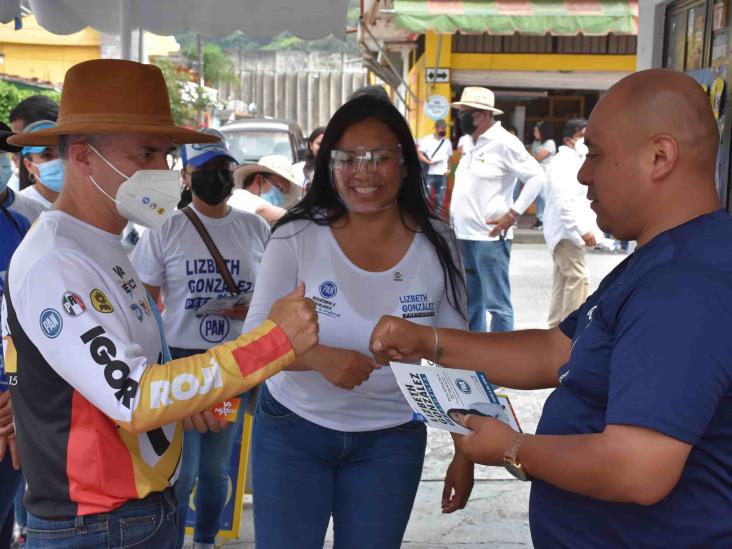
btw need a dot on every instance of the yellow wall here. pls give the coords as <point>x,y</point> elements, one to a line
<point>421,124</point>
<point>48,64</point>
<point>33,52</point>
<point>543,62</point>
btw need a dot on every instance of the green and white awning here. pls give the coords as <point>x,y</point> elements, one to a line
<point>506,17</point>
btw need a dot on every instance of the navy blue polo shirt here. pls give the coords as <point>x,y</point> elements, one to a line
<point>13,227</point>
<point>652,348</point>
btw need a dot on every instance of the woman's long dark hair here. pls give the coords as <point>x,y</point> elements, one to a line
<point>309,156</point>
<point>323,206</point>
<point>546,131</point>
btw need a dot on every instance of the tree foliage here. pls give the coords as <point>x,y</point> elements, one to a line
<point>11,95</point>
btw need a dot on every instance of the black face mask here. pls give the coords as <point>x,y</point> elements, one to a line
<point>442,133</point>
<point>185,198</point>
<point>212,186</point>
<point>467,124</point>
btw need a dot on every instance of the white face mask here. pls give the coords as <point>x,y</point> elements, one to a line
<point>580,148</point>
<point>147,197</point>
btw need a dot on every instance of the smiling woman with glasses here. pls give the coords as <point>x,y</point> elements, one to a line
<point>334,436</point>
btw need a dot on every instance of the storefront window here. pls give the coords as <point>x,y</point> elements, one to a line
<point>695,37</point>
<point>686,24</point>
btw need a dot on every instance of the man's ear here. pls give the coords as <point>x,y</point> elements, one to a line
<point>664,155</point>
<point>78,155</point>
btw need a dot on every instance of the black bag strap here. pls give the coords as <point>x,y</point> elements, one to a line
<point>213,250</point>
<point>437,149</point>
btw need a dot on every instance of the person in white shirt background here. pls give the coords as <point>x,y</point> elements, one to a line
<point>45,168</point>
<point>31,109</point>
<point>569,223</point>
<point>543,149</point>
<point>267,188</point>
<point>306,168</point>
<point>334,436</point>
<point>175,262</point>
<point>435,150</point>
<point>483,210</point>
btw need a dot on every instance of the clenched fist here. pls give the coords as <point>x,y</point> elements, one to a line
<point>296,316</point>
<point>394,338</point>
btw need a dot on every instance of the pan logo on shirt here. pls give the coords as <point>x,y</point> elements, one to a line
<point>72,304</point>
<point>138,311</point>
<point>214,328</point>
<point>127,284</point>
<point>51,323</point>
<point>416,306</point>
<point>328,289</point>
<point>398,276</point>
<point>100,301</point>
<point>324,304</point>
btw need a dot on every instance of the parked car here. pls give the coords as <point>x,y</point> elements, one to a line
<point>252,138</point>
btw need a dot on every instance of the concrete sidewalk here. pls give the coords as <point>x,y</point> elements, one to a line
<point>497,513</point>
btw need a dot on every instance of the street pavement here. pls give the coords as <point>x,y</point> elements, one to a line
<point>497,513</point>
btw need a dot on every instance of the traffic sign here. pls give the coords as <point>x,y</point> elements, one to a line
<point>436,107</point>
<point>436,75</point>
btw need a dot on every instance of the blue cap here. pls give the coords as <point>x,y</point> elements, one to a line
<point>32,128</point>
<point>197,154</point>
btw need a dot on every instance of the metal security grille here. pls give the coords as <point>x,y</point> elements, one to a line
<point>520,43</point>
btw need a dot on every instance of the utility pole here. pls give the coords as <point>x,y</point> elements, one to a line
<point>199,43</point>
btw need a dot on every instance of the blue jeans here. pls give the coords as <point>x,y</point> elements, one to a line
<point>304,473</point>
<point>9,481</point>
<point>148,522</point>
<point>486,273</point>
<point>21,515</point>
<point>436,184</point>
<point>206,456</point>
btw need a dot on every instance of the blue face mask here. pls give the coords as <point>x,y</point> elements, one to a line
<point>6,171</point>
<point>52,174</point>
<point>274,196</point>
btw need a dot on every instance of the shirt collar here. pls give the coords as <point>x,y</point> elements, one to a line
<point>490,132</point>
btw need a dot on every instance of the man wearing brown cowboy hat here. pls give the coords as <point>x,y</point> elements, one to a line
<point>98,404</point>
<point>482,206</point>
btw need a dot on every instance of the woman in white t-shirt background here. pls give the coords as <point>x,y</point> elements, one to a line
<point>334,436</point>
<point>174,262</point>
<point>45,169</point>
<point>543,150</point>
<point>267,188</point>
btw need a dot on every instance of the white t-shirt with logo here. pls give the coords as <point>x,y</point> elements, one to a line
<point>428,145</point>
<point>350,301</point>
<point>176,259</point>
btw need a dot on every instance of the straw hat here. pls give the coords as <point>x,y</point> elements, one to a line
<point>274,164</point>
<point>107,96</point>
<point>478,98</point>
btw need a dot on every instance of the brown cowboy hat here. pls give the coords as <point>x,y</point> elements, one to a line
<point>107,96</point>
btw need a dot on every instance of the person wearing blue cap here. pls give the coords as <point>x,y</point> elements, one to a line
<point>45,168</point>
<point>179,262</point>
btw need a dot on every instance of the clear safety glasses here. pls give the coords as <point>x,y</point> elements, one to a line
<point>346,163</point>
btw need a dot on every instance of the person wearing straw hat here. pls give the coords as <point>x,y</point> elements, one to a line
<point>98,403</point>
<point>274,179</point>
<point>482,206</point>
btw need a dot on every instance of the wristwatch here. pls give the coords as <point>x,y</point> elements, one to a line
<point>511,461</point>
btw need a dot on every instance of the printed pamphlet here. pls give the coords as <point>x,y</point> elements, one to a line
<point>435,393</point>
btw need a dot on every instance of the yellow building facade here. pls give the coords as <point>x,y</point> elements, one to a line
<point>34,53</point>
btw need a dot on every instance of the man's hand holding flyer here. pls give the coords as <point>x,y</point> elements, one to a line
<point>438,394</point>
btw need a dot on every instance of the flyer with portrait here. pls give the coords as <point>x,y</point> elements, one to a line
<point>435,393</point>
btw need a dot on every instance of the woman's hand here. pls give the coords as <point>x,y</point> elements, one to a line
<point>345,368</point>
<point>459,482</point>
